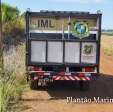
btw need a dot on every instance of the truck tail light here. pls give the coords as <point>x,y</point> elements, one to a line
<point>88,69</point>
<point>81,75</point>
<point>33,68</point>
<point>39,71</point>
<point>37,68</point>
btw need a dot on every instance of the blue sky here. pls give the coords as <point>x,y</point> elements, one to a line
<point>106,6</point>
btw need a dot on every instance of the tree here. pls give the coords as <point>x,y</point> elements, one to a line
<point>9,13</point>
<point>13,24</point>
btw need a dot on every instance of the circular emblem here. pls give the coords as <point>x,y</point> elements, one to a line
<point>81,30</point>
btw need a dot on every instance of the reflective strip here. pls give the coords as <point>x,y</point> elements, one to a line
<point>58,78</point>
<point>77,78</point>
<point>71,78</point>
<point>83,78</point>
<point>66,78</point>
<point>87,78</point>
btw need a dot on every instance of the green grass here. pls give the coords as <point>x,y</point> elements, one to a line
<point>6,90</point>
<point>10,89</point>
<point>108,33</point>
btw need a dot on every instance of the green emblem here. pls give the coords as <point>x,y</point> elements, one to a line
<point>88,49</point>
<point>80,30</point>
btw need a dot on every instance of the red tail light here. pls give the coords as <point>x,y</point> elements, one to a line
<point>88,69</point>
<point>37,68</point>
<point>39,71</point>
<point>81,75</point>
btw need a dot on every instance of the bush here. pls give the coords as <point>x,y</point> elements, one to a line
<point>13,24</point>
<point>11,86</point>
<point>10,89</point>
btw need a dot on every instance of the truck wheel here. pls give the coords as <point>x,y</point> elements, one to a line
<point>84,85</point>
<point>34,84</point>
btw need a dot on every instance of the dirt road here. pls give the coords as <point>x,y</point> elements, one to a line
<point>106,62</point>
<point>54,100</point>
<point>106,65</point>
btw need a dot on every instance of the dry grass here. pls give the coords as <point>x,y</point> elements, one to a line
<point>12,82</point>
<point>107,45</point>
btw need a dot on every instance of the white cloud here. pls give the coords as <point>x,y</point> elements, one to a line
<point>79,1</point>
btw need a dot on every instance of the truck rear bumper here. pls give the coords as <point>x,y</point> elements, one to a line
<point>78,76</point>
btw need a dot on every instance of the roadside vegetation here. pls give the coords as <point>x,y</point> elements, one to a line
<point>107,45</point>
<point>13,25</point>
<point>12,77</point>
<point>10,90</point>
<point>107,32</point>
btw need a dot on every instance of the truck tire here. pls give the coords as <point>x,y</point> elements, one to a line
<point>34,84</point>
<point>84,86</point>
